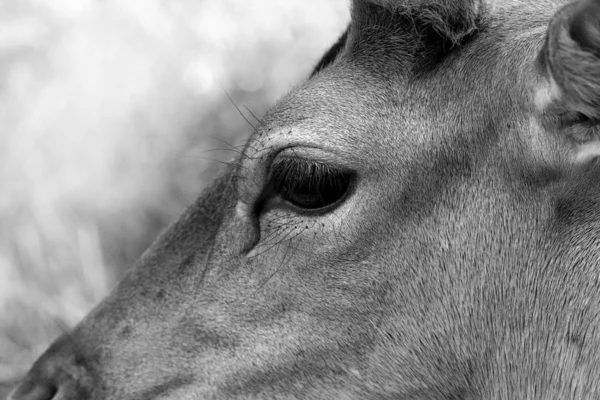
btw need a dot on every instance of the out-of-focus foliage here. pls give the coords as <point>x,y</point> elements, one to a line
<point>107,110</point>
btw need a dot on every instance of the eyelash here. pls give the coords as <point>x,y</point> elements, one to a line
<point>290,171</point>
<point>309,185</point>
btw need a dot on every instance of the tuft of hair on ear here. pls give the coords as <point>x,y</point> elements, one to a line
<point>453,21</point>
<point>572,55</point>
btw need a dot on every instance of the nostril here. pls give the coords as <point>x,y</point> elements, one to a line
<point>61,372</point>
<point>29,390</point>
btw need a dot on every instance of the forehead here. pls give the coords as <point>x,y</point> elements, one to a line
<point>374,103</point>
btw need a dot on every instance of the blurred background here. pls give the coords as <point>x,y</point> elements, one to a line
<point>114,114</point>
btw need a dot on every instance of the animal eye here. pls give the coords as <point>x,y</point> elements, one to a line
<point>309,185</point>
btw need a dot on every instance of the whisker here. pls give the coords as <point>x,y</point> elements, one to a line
<point>241,146</point>
<point>281,265</point>
<point>254,116</point>
<point>239,111</point>
<point>234,163</point>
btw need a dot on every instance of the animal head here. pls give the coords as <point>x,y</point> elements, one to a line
<point>417,220</point>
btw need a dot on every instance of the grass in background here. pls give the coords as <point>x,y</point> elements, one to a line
<point>107,110</point>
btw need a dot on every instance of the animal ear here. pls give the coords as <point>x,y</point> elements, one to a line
<point>570,61</point>
<point>571,58</point>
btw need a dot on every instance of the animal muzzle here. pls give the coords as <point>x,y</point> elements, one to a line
<point>59,374</point>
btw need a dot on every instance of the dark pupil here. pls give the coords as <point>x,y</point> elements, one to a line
<point>315,188</point>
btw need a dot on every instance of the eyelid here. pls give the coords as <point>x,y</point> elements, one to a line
<point>303,166</point>
<point>309,154</point>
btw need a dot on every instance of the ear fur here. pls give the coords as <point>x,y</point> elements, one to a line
<point>452,20</point>
<point>572,56</point>
<point>413,34</point>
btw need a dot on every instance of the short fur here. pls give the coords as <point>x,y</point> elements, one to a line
<point>418,34</point>
<point>461,260</point>
<point>451,19</point>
